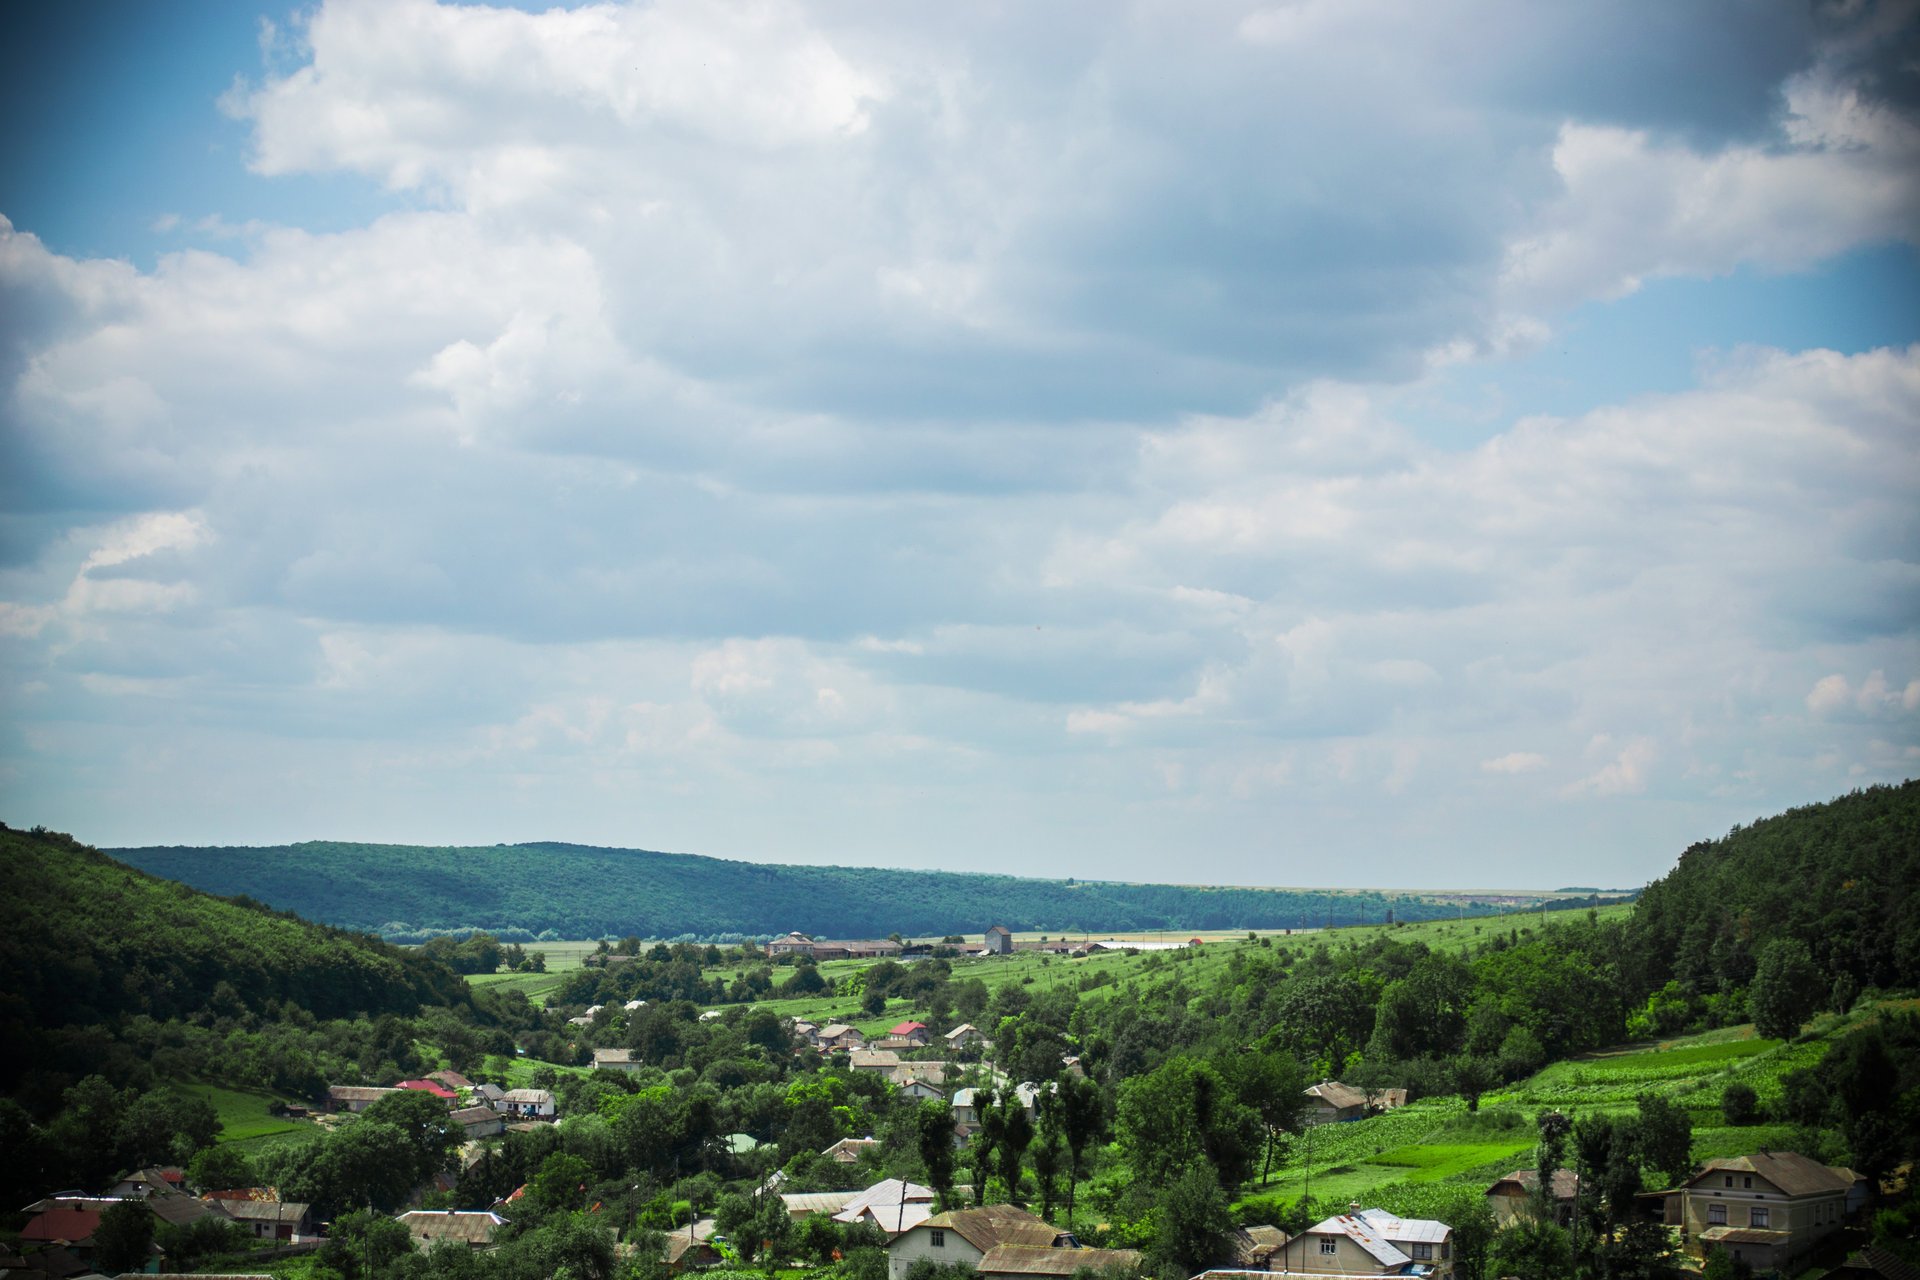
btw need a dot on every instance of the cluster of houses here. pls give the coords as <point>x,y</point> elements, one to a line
<point>59,1237</point>
<point>1767,1210</point>
<point>481,1110</point>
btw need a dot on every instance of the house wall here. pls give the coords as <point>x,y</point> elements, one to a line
<point>1805,1218</point>
<point>1303,1255</point>
<point>918,1243</point>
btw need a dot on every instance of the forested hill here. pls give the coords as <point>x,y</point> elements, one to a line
<point>1841,879</point>
<point>577,891</point>
<point>92,942</point>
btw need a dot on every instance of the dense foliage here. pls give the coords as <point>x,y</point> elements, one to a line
<point>1841,879</point>
<point>576,891</point>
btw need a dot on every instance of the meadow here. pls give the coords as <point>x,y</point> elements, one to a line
<point>246,1117</point>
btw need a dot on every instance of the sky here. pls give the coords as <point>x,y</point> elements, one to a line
<point>1329,442</point>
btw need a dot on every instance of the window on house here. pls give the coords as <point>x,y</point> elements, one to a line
<point>1329,1246</point>
<point>1758,1217</point>
<point>939,1239</point>
<point>1422,1252</point>
<point>1716,1215</point>
<point>1747,1183</point>
<point>1729,1179</point>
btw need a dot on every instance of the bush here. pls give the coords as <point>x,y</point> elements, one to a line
<point>1739,1104</point>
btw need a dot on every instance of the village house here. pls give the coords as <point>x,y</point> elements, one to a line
<point>800,1204</point>
<point>1765,1209</point>
<point>452,1079</point>
<point>914,1033</point>
<point>1512,1196</point>
<point>965,1036</point>
<point>1000,1242</point>
<point>915,1088</point>
<point>474,1228</point>
<point>808,1031</point>
<point>1370,1242</point>
<point>847,1150</point>
<point>692,1249</point>
<point>271,1219</point>
<point>1255,1247</point>
<point>839,1035</point>
<point>478,1122</point>
<point>883,1060</point>
<point>429,1086</point>
<point>932,1072</point>
<point>353,1098</point>
<point>142,1183</point>
<point>616,1060</point>
<point>1330,1101</point>
<point>892,1205</point>
<point>999,941</point>
<point>966,1113</point>
<point>531,1104</point>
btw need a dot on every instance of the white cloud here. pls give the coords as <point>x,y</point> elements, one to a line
<point>1635,208</point>
<point>1625,774</point>
<point>1515,762</point>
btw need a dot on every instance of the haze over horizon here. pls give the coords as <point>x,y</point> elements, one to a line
<point>1269,444</point>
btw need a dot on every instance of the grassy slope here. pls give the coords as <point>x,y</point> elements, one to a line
<point>244,1117</point>
<point>1405,1159</point>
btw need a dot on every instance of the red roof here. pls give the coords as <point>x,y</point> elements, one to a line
<point>71,1225</point>
<point>907,1028</point>
<point>428,1086</point>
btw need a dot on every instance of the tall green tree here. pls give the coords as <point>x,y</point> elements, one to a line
<point>1182,1114</point>
<point>124,1237</point>
<point>1016,1135</point>
<point>1084,1122</point>
<point>1664,1138</point>
<point>1192,1221</point>
<point>933,1133</point>
<point>1786,989</point>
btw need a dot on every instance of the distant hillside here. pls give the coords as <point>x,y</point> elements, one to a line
<point>577,891</point>
<point>92,942</point>
<point>1842,877</point>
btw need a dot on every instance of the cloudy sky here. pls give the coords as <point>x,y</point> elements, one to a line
<point>1326,442</point>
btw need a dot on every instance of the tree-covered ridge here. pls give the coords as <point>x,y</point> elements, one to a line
<point>95,943</point>
<point>580,891</point>
<point>1840,880</point>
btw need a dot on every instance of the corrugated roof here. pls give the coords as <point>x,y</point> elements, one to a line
<point>996,1224</point>
<point>1393,1227</point>
<point>817,1201</point>
<point>1566,1183</point>
<point>884,1197</point>
<point>466,1226</point>
<point>1045,1260</point>
<point>264,1210</point>
<point>61,1223</point>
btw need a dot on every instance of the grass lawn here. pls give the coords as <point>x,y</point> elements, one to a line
<point>535,986</point>
<point>244,1116</point>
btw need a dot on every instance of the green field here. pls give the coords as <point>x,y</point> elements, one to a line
<point>244,1116</point>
